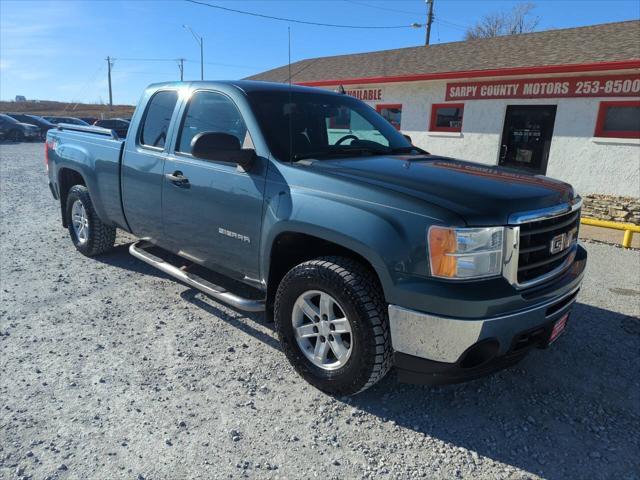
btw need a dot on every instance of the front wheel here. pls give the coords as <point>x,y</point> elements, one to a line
<point>332,322</point>
<point>88,233</point>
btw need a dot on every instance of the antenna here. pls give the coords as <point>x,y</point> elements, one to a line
<point>290,103</point>
<point>289,33</point>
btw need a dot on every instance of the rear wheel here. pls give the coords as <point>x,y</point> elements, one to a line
<point>88,233</point>
<point>331,319</point>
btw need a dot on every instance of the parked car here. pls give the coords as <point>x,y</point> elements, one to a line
<point>69,120</point>
<point>119,125</point>
<point>367,251</point>
<point>11,129</point>
<point>39,122</point>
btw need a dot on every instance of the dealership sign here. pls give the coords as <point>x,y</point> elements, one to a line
<point>366,94</point>
<point>593,86</point>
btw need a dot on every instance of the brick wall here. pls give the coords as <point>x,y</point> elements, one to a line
<point>608,207</point>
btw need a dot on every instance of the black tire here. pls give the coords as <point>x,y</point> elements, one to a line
<point>101,237</point>
<point>359,294</point>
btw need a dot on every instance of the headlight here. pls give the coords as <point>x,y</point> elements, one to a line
<point>463,253</point>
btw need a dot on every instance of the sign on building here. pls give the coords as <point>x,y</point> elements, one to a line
<point>592,86</point>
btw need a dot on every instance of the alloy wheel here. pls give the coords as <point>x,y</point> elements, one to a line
<point>322,330</point>
<point>80,222</point>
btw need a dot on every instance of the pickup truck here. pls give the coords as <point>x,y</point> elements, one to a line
<point>365,250</point>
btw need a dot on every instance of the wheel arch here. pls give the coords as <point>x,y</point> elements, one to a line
<point>67,178</point>
<point>292,247</point>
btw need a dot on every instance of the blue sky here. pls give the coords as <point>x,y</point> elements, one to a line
<point>56,50</point>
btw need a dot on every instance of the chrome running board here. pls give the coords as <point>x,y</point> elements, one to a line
<point>138,250</point>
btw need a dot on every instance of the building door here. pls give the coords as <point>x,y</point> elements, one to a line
<point>526,138</point>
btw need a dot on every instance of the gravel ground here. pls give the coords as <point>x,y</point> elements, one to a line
<point>110,369</point>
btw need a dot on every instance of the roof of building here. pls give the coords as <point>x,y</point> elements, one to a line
<point>607,43</point>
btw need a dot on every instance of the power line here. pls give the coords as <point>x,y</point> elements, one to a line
<point>451,24</point>
<point>234,65</point>
<point>121,59</point>
<point>415,14</point>
<point>446,23</point>
<point>304,22</point>
<point>76,98</point>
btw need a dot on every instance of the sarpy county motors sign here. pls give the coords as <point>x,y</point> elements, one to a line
<point>593,86</point>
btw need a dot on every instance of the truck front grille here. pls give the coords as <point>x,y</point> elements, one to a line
<point>539,242</point>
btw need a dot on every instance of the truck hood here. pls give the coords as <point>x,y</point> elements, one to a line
<point>480,194</point>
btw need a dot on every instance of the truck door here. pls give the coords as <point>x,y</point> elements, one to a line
<point>142,169</point>
<point>212,211</point>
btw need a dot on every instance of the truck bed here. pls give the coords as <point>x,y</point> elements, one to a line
<point>96,153</point>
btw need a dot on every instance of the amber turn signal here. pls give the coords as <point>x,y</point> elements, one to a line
<point>442,244</point>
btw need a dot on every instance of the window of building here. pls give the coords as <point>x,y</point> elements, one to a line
<point>446,117</point>
<point>340,119</point>
<point>618,120</point>
<point>392,113</point>
<point>211,112</point>
<point>157,119</point>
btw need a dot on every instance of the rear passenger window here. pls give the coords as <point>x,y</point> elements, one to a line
<point>211,112</point>
<point>156,122</point>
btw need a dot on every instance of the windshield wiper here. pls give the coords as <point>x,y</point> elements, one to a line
<point>341,152</point>
<point>362,149</point>
<point>302,156</point>
<point>410,149</point>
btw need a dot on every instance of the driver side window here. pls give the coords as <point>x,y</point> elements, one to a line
<point>211,112</point>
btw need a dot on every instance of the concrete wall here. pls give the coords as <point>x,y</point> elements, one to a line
<point>606,166</point>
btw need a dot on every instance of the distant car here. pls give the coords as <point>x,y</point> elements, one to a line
<point>120,125</point>
<point>89,120</point>
<point>39,122</point>
<point>11,129</point>
<point>70,120</point>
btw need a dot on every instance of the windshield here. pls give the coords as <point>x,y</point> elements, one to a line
<point>7,118</point>
<point>299,125</point>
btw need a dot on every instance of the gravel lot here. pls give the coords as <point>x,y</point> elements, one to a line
<point>109,369</point>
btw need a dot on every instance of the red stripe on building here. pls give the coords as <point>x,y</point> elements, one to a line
<point>498,72</point>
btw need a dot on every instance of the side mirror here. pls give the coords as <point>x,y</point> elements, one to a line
<point>221,147</point>
<point>407,138</point>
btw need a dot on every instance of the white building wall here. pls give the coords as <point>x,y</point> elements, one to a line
<point>606,166</point>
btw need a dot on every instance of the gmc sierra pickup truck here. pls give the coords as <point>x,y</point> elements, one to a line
<point>367,251</point>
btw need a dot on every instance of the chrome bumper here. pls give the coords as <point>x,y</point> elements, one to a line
<point>444,339</point>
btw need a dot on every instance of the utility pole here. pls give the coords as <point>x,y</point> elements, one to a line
<point>200,41</point>
<point>429,20</point>
<point>109,65</point>
<point>201,58</point>
<point>181,67</point>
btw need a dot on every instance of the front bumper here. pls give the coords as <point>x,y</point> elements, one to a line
<point>437,349</point>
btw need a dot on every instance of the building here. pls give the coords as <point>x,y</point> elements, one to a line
<point>564,103</point>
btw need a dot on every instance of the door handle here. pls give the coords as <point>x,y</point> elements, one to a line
<point>178,179</point>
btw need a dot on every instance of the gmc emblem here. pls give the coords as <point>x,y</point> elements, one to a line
<point>561,242</point>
